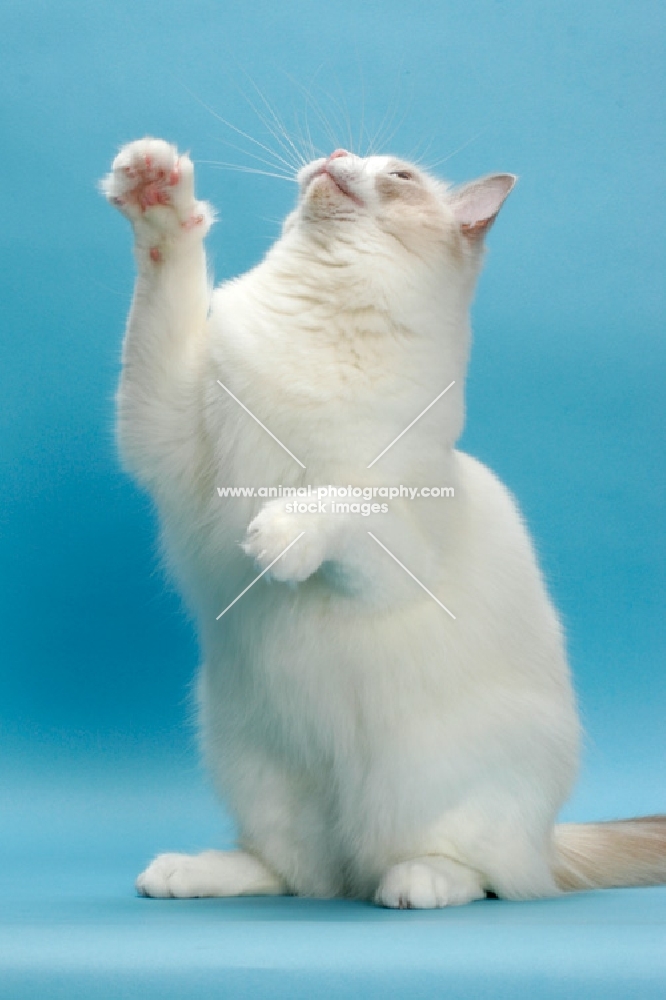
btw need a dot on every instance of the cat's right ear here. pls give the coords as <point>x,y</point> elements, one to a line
<point>477,204</point>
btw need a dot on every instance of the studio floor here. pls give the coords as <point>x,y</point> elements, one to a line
<point>73,929</point>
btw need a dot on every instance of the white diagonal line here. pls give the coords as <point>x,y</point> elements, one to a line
<point>410,425</point>
<point>263,425</point>
<point>258,577</point>
<point>409,573</point>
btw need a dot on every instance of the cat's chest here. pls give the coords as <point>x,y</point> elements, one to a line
<point>297,423</point>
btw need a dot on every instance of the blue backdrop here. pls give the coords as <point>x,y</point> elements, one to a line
<point>565,402</point>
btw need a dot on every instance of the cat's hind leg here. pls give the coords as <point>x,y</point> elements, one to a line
<point>428,882</point>
<point>212,873</point>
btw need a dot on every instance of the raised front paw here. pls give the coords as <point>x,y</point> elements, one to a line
<point>153,185</point>
<point>293,546</point>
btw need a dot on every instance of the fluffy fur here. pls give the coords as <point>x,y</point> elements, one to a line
<point>367,744</point>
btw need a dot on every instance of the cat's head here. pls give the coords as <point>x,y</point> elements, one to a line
<point>385,200</point>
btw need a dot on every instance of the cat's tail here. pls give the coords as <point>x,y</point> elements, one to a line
<point>623,853</point>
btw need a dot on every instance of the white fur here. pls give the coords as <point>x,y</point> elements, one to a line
<point>367,744</point>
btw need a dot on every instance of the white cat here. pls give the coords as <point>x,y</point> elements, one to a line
<point>368,743</point>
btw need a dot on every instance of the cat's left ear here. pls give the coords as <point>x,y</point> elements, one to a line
<point>476,205</point>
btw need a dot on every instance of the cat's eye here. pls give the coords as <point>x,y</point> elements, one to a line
<point>404,175</point>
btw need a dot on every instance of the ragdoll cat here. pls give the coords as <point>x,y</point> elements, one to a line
<point>368,743</point>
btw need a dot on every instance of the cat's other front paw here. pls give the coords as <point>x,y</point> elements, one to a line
<point>273,540</point>
<point>211,873</point>
<point>153,185</point>
<point>173,876</point>
<point>428,883</point>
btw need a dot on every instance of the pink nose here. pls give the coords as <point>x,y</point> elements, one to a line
<point>338,153</point>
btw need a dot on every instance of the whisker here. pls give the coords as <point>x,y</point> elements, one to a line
<point>344,122</point>
<point>239,131</point>
<point>300,135</point>
<point>455,152</point>
<point>313,151</point>
<point>246,170</point>
<point>316,150</point>
<point>418,159</point>
<point>300,159</point>
<point>343,108</point>
<point>295,164</point>
<point>349,125</point>
<point>312,102</point>
<point>377,140</point>
<point>372,139</point>
<point>362,124</point>
<point>389,138</point>
<point>245,152</point>
<point>374,142</point>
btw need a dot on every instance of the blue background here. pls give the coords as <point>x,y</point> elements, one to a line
<point>565,402</point>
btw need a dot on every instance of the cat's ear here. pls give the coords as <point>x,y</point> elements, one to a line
<point>476,205</point>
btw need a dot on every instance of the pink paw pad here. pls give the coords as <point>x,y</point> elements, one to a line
<point>152,185</point>
<point>155,254</point>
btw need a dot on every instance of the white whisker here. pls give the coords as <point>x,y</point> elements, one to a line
<point>343,108</point>
<point>300,159</point>
<point>246,152</point>
<point>306,141</point>
<point>239,131</point>
<point>247,170</point>
<point>343,123</point>
<point>438,163</point>
<point>374,142</point>
<point>312,102</point>
<point>288,154</point>
<point>418,159</point>
<point>379,140</point>
<point>389,138</point>
<point>362,124</point>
